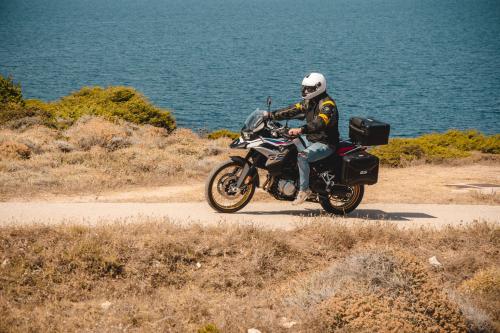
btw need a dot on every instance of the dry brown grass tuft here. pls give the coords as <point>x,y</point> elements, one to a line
<point>89,132</point>
<point>156,276</point>
<point>14,150</point>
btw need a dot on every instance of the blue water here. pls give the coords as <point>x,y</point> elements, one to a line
<point>421,65</point>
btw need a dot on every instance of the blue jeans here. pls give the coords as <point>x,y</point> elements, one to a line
<point>313,153</point>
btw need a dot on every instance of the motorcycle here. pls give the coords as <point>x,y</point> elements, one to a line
<point>337,182</point>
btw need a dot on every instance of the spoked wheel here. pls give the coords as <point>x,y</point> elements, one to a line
<point>345,201</point>
<point>221,191</point>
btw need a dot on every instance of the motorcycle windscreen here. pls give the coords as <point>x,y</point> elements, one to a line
<point>255,121</point>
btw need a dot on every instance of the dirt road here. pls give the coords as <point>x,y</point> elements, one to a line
<point>269,215</point>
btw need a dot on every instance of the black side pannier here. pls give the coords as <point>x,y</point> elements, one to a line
<point>359,168</point>
<point>368,131</point>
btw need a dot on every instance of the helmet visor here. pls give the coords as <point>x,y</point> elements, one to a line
<point>306,90</point>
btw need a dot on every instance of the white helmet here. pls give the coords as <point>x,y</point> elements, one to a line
<point>313,84</point>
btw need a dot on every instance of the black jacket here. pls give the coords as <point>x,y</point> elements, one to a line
<point>321,115</point>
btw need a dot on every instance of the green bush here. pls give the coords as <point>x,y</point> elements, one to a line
<point>10,92</point>
<point>17,116</point>
<point>436,147</point>
<point>111,103</point>
<point>209,328</point>
<point>223,133</point>
<point>13,109</point>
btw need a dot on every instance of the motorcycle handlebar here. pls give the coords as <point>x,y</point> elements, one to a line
<point>283,131</point>
<point>280,130</point>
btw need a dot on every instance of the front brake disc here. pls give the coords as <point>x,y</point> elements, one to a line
<point>226,185</point>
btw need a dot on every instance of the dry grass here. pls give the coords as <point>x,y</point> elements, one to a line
<point>156,276</point>
<point>432,184</point>
<point>96,155</point>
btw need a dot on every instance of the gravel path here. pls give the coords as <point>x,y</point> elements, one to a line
<point>269,215</point>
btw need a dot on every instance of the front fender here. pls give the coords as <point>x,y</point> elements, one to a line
<point>239,159</point>
<point>238,144</point>
<point>248,170</point>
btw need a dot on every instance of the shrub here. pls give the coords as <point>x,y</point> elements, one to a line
<point>485,281</point>
<point>111,103</point>
<point>436,147</point>
<point>12,107</point>
<point>18,116</point>
<point>223,133</point>
<point>10,92</point>
<point>484,289</point>
<point>492,145</point>
<point>386,292</point>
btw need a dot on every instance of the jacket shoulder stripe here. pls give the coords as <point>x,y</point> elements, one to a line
<point>327,102</point>
<point>325,118</point>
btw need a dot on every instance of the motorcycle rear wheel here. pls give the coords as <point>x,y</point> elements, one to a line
<point>342,206</point>
<point>221,185</point>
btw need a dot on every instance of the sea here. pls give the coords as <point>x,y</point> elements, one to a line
<point>420,65</point>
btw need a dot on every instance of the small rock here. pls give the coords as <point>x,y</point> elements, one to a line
<point>253,330</point>
<point>5,263</point>
<point>286,323</point>
<point>434,262</point>
<point>198,265</point>
<point>105,305</point>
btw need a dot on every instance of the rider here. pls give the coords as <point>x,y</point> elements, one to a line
<point>321,128</point>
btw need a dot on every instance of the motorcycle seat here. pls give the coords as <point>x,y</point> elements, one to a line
<point>343,147</point>
<point>332,159</point>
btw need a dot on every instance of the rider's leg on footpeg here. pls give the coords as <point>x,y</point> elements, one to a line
<point>314,152</point>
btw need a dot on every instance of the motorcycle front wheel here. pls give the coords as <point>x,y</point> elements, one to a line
<point>221,191</point>
<point>341,204</point>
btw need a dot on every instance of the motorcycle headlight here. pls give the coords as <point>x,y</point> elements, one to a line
<point>245,135</point>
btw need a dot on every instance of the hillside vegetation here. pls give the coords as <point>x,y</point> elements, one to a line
<point>436,147</point>
<point>112,103</point>
<point>222,133</point>
<point>94,140</point>
<point>322,277</point>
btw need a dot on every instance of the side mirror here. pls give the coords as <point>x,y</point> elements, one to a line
<point>269,102</point>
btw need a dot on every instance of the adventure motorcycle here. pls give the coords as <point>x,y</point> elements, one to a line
<point>337,182</point>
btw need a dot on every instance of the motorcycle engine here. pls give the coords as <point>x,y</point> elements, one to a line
<point>287,187</point>
<point>283,189</point>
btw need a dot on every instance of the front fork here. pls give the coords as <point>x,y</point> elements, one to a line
<point>249,171</point>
